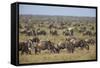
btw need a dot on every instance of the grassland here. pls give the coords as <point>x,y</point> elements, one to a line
<point>46,56</point>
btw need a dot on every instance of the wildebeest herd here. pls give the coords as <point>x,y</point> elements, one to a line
<point>54,35</point>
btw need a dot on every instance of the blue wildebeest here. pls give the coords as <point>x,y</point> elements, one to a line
<point>46,45</point>
<point>80,43</point>
<point>24,47</point>
<point>53,32</point>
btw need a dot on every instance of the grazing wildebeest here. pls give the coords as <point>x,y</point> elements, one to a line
<point>33,32</point>
<point>46,45</point>
<point>62,45</point>
<point>66,45</point>
<point>23,31</point>
<point>91,41</point>
<point>29,33</point>
<point>35,39</point>
<point>70,47</point>
<point>66,33</point>
<point>28,46</point>
<point>70,37</point>
<point>82,29</point>
<point>53,32</point>
<point>73,43</point>
<point>88,33</point>
<point>79,43</point>
<point>50,26</point>
<point>71,31</point>
<point>24,47</point>
<point>41,32</point>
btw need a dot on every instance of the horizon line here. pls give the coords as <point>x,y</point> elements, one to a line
<point>56,15</point>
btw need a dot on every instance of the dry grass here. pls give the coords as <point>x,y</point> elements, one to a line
<point>45,56</point>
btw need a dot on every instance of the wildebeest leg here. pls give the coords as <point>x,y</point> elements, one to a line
<point>23,51</point>
<point>29,52</point>
<point>52,50</point>
<point>87,47</point>
<point>36,50</point>
<point>57,50</point>
<point>39,50</point>
<point>81,47</point>
<point>72,51</point>
<point>26,52</point>
<point>69,49</point>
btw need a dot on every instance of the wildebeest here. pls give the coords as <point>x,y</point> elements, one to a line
<point>29,33</point>
<point>33,32</point>
<point>82,29</point>
<point>70,47</point>
<point>80,43</point>
<point>53,32</point>
<point>66,33</point>
<point>41,32</point>
<point>88,33</point>
<point>70,37</point>
<point>24,47</point>
<point>66,45</point>
<point>71,31</point>
<point>23,31</point>
<point>61,45</point>
<point>90,41</point>
<point>43,45</point>
<point>50,26</point>
<point>35,39</point>
<point>74,43</point>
